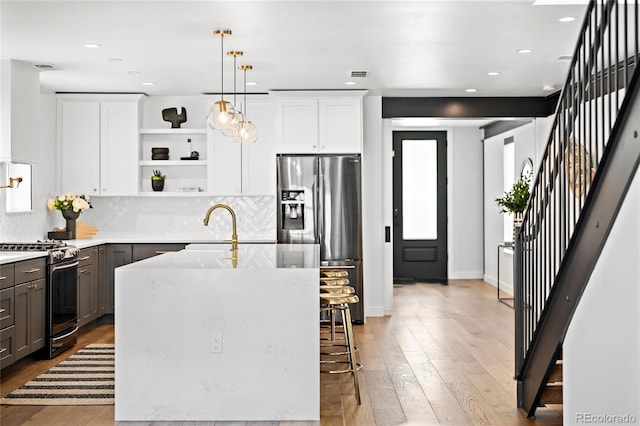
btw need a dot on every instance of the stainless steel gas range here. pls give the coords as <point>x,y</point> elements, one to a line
<point>61,292</point>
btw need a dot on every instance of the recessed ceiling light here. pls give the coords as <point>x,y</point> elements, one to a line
<point>493,73</point>
<point>567,19</point>
<point>548,87</point>
<point>524,50</point>
<point>471,90</point>
<point>92,45</point>
<point>350,83</point>
<point>115,60</point>
<point>251,83</point>
<point>148,83</point>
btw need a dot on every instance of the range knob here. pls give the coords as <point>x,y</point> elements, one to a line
<point>55,255</point>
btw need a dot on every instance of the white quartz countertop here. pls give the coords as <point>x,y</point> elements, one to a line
<point>10,257</point>
<point>248,256</point>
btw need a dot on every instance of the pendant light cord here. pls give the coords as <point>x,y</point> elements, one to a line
<point>234,81</point>
<point>222,66</point>
<point>245,93</point>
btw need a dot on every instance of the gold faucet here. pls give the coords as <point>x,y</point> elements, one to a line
<point>234,235</point>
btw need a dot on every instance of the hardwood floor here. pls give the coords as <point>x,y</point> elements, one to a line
<point>444,357</point>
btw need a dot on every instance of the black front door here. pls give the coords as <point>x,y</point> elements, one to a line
<point>420,206</point>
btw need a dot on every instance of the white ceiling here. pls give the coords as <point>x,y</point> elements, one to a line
<point>410,48</point>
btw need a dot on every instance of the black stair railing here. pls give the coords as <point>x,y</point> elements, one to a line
<point>592,101</point>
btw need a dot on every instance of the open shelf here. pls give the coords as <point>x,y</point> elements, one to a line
<point>173,131</point>
<point>160,163</point>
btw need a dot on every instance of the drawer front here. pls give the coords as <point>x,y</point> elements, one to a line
<point>7,278</point>
<point>7,346</point>
<point>87,256</point>
<point>30,270</point>
<point>7,317</point>
<point>144,251</point>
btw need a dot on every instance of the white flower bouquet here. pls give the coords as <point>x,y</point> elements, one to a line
<point>77,203</point>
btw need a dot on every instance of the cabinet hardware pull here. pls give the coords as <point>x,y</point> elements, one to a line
<point>31,271</point>
<point>84,258</point>
<point>82,271</point>
<point>2,310</point>
<point>32,286</point>
<point>3,278</point>
<point>3,350</point>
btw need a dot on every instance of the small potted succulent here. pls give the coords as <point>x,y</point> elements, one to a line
<point>157,180</point>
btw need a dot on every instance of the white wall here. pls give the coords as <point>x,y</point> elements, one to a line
<point>31,129</point>
<point>373,210</point>
<point>601,371</point>
<point>465,202</point>
<point>530,141</point>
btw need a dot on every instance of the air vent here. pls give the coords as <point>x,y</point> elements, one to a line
<point>359,74</point>
<point>565,58</point>
<point>45,67</point>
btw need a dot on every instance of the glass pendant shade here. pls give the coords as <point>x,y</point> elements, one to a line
<point>221,115</point>
<point>247,132</point>
<point>232,130</point>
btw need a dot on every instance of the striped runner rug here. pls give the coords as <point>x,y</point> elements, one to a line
<point>85,378</point>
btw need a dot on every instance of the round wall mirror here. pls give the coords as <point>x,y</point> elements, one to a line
<point>527,168</point>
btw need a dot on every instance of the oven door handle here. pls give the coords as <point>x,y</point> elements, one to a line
<point>70,265</point>
<point>55,339</point>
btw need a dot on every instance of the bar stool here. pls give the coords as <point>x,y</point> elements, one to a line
<point>338,303</point>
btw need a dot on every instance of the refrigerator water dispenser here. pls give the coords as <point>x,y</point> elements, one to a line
<point>292,204</point>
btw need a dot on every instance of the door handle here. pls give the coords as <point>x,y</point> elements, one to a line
<point>396,217</point>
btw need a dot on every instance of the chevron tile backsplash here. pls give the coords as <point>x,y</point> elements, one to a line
<point>180,218</point>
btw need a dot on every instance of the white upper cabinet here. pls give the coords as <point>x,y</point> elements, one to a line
<point>80,145</point>
<point>340,125</point>
<point>247,168</point>
<point>297,125</point>
<point>319,125</point>
<point>98,140</point>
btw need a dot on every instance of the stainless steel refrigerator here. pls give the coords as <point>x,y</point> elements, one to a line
<point>319,202</point>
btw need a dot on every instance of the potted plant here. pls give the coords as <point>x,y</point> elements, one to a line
<point>515,200</point>
<point>157,180</point>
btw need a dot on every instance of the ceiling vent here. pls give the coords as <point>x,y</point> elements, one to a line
<point>45,67</point>
<point>565,58</point>
<point>359,74</point>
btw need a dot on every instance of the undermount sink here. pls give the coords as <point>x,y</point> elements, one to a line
<point>217,247</point>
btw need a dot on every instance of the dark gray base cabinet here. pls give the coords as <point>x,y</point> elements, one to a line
<point>117,255</point>
<point>102,281</point>
<point>88,287</point>
<point>30,308</point>
<point>122,254</point>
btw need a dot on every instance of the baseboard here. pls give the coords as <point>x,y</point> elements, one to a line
<point>490,279</point>
<point>468,275</point>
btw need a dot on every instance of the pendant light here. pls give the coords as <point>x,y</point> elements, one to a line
<point>231,130</point>
<point>222,112</point>
<point>246,131</point>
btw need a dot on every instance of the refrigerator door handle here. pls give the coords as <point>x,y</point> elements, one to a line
<point>320,204</point>
<point>314,190</point>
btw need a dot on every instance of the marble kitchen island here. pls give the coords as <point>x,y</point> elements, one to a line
<point>202,337</point>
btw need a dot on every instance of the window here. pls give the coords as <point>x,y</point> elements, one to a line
<point>508,179</point>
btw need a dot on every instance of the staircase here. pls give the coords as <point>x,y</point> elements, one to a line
<point>590,159</point>
<point>552,391</point>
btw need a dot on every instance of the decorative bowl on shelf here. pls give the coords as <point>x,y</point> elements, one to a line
<point>159,156</point>
<point>160,151</point>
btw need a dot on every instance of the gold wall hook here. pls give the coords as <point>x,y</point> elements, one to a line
<point>11,181</point>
